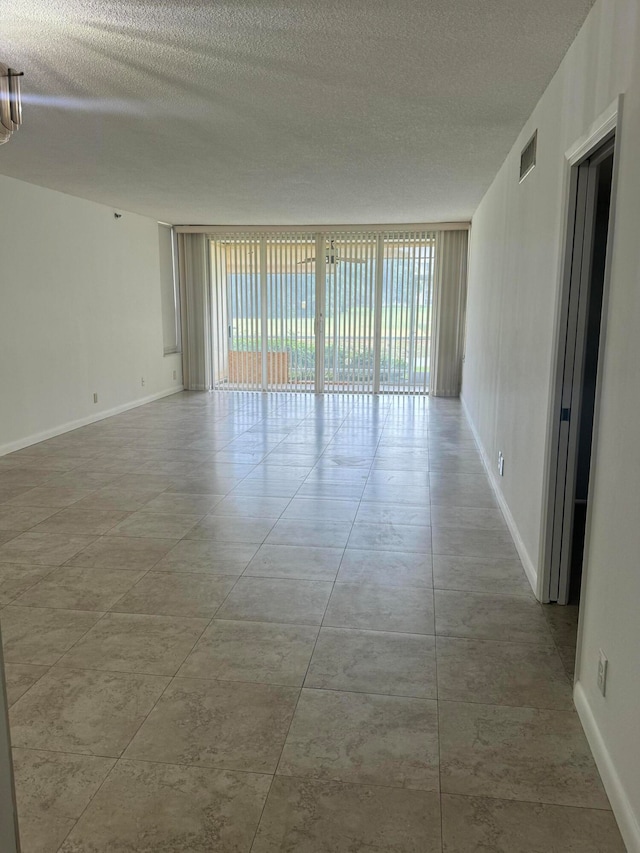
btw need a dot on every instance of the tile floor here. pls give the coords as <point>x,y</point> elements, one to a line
<point>236,622</point>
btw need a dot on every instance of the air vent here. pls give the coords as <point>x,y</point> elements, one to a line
<point>528,156</point>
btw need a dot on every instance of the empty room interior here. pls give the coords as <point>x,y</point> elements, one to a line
<point>319,418</point>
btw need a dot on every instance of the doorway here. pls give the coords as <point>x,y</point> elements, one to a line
<point>589,237</point>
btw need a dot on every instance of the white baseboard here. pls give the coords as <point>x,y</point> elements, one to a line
<point>527,563</point>
<point>80,422</point>
<point>622,809</point>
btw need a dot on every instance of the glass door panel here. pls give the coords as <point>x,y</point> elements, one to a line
<point>237,314</point>
<point>349,321</point>
<point>290,269</point>
<point>405,339</point>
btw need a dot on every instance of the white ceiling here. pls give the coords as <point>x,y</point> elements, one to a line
<point>279,111</point>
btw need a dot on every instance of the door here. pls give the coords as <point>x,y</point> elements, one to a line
<point>237,314</point>
<point>405,322</point>
<point>350,312</point>
<point>579,344</point>
<point>290,322</point>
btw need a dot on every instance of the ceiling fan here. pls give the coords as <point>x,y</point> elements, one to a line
<point>332,257</point>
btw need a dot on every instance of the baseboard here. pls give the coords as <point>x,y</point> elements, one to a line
<point>80,422</point>
<point>529,568</point>
<point>622,809</point>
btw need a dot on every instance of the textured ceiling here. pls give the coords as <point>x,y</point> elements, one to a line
<point>279,111</point>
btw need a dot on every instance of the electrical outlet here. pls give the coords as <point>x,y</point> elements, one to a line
<point>175,374</point>
<point>95,398</point>
<point>603,665</point>
<point>500,463</point>
<point>142,381</point>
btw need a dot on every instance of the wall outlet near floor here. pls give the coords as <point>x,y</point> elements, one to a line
<point>175,374</point>
<point>142,381</point>
<point>603,665</point>
<point>95,398</point>
<point>500,463</point>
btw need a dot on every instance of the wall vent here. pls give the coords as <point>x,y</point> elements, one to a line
<point>528,156</point>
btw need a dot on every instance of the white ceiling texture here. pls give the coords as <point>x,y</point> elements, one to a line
<point>278,111</point>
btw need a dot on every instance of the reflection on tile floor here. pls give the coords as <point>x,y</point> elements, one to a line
<point>283,624</point>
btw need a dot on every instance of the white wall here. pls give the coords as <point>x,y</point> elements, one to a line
<point>80,312</point>
<point>514,281</point>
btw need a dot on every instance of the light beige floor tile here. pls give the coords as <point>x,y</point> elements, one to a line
<point>563,623</point>
<point>252,651</point>
<point>363,739</point>
<point>391,568</point>
<point>22,477</point>
<point>175,594</point>
<point>295,561</point>
<point>20,518</point>
<point>374,662</point>
<point>227,724</point>
<point>303,816</point>
<point>85,521</point>
<point>205,556</point>
<point>467,517</point>
<point>156,525</point>
<point>294,531</point>
<point>114,497</point>
<point>403,477</point>
<point>52,496</point>
<point>378,607</point>
<point>84,711</point>
<point>91,481</point>
<point>381,513</point>
<point>225,529</point>
<point>390,537</point>
<point>474,542</point>
<point>132,642</point>
<point>79,589</point>
<point>182,504</point>
<point>246,506</point>
<point>461,490</point>
<point>517,754</point>
<point>477,574</point>
<point>43,549</point>
<point>503,826</point>
<point>502,674</point>
<point>8,535</point>
<point>452,463</point>
<point>20,677</point>
<point>17,578</point>
<point>277,600</point>
<point>330,491</point>
<point>321,510</point>
<point>122,552</point>
<point>150,808</point>
<point>416,496</point>
<point>510,618</point>
<point>40,635</point>
<point>203,484</point>
<point>568,658</point>
<point>52,791</point>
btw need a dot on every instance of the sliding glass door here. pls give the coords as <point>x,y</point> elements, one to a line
<point>349,312</point>
<point>330,312</point>
<point>405,322</point>
<point>290,270</point>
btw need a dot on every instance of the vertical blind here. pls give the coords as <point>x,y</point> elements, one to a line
<point>345,311</point>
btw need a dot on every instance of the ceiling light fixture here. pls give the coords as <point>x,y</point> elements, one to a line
<point>10,103</point>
